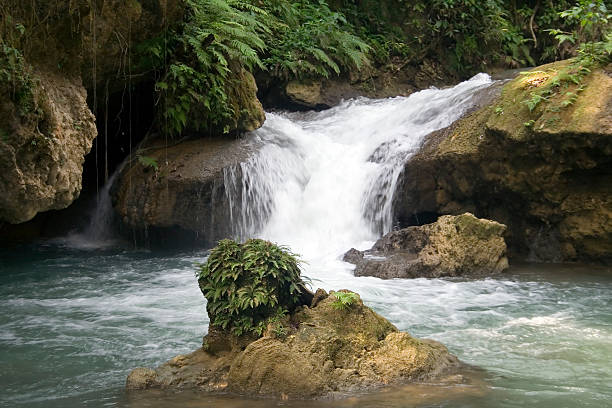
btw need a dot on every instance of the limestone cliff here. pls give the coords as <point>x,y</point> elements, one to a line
<point>42,153</point>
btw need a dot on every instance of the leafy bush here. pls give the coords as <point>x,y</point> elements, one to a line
<point>590,20</point>
<point>248,284</point>
<point>15,74</point>
<point>218,38</point>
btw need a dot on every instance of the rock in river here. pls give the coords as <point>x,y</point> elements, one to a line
<point>317,352</point>
<point>460,245</point>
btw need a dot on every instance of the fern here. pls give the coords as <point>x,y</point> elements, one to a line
<point>344,300</point>
<point>310,40</point>
<point>218,38</point>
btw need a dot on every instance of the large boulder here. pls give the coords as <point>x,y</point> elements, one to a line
<point>176,194</point>
<point>452,246</point>
<point>42,145</point>
<point>319,351</point>
<point>544,172</point>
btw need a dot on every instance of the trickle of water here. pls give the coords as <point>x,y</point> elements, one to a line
<point>99,232</point>
<point>100,225</point>
<point>324,181</point>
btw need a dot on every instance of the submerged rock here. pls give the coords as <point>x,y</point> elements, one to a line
<point>543,172</point>
<point>452,246</point>
<point>317,352</point>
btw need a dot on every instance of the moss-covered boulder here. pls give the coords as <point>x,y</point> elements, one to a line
<point>460,245</point>
<point>537,158</point>
<point>319,351</point>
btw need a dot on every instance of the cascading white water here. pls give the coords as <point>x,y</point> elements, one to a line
<point>323,182</point>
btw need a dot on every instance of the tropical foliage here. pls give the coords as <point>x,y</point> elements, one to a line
<point>249,285</point>
<point>15,74</point>
<point>198,62</point>
<point>308,39</point>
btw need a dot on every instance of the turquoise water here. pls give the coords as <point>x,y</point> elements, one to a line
<point>74,322</point>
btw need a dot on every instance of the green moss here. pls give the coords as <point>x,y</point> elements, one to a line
<point>548,99</point>
<point>470,225</point>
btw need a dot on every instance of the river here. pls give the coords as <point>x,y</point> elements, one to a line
<point>79,313</point>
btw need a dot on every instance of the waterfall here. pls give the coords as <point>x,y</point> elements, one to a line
<point>324,181</point>
<point>100,227</point>
<point>99,231</point>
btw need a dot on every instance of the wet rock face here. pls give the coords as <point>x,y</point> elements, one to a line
<point>42,153</point>
<point>325,352</point>
<point>175,194</point>
<point>452,246</point>
<point>549,181</point>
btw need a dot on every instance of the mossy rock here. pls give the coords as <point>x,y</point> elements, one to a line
<point>326,352</point>
<point>543,172</point>
<point>574,98</point>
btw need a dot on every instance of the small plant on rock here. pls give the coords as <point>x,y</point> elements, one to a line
<point>248,285</point>
<point>344,300</point>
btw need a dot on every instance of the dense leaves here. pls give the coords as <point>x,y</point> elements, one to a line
<point>247,285</point>
<point>310,40</point>
<point>468,35</point>
<point>198,61</point>
<point>15,74</point>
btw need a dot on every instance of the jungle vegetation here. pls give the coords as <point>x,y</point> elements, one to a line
<point>195,60</point>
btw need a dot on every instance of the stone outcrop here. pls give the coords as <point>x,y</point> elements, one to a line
<point>545,173</point>
<point>42,151</point>
<point>460,245</point>
<point>371,82</point>
<point>322,352</point>
<point>242,96</point>
<point>175,194</point>
<point>81,47</point>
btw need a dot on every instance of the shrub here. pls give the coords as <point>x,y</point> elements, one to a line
<point>218,38</point>
<point>15,73</point>
<point>248,284</point>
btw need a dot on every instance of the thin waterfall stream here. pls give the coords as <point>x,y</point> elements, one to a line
<point>77,318</point>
